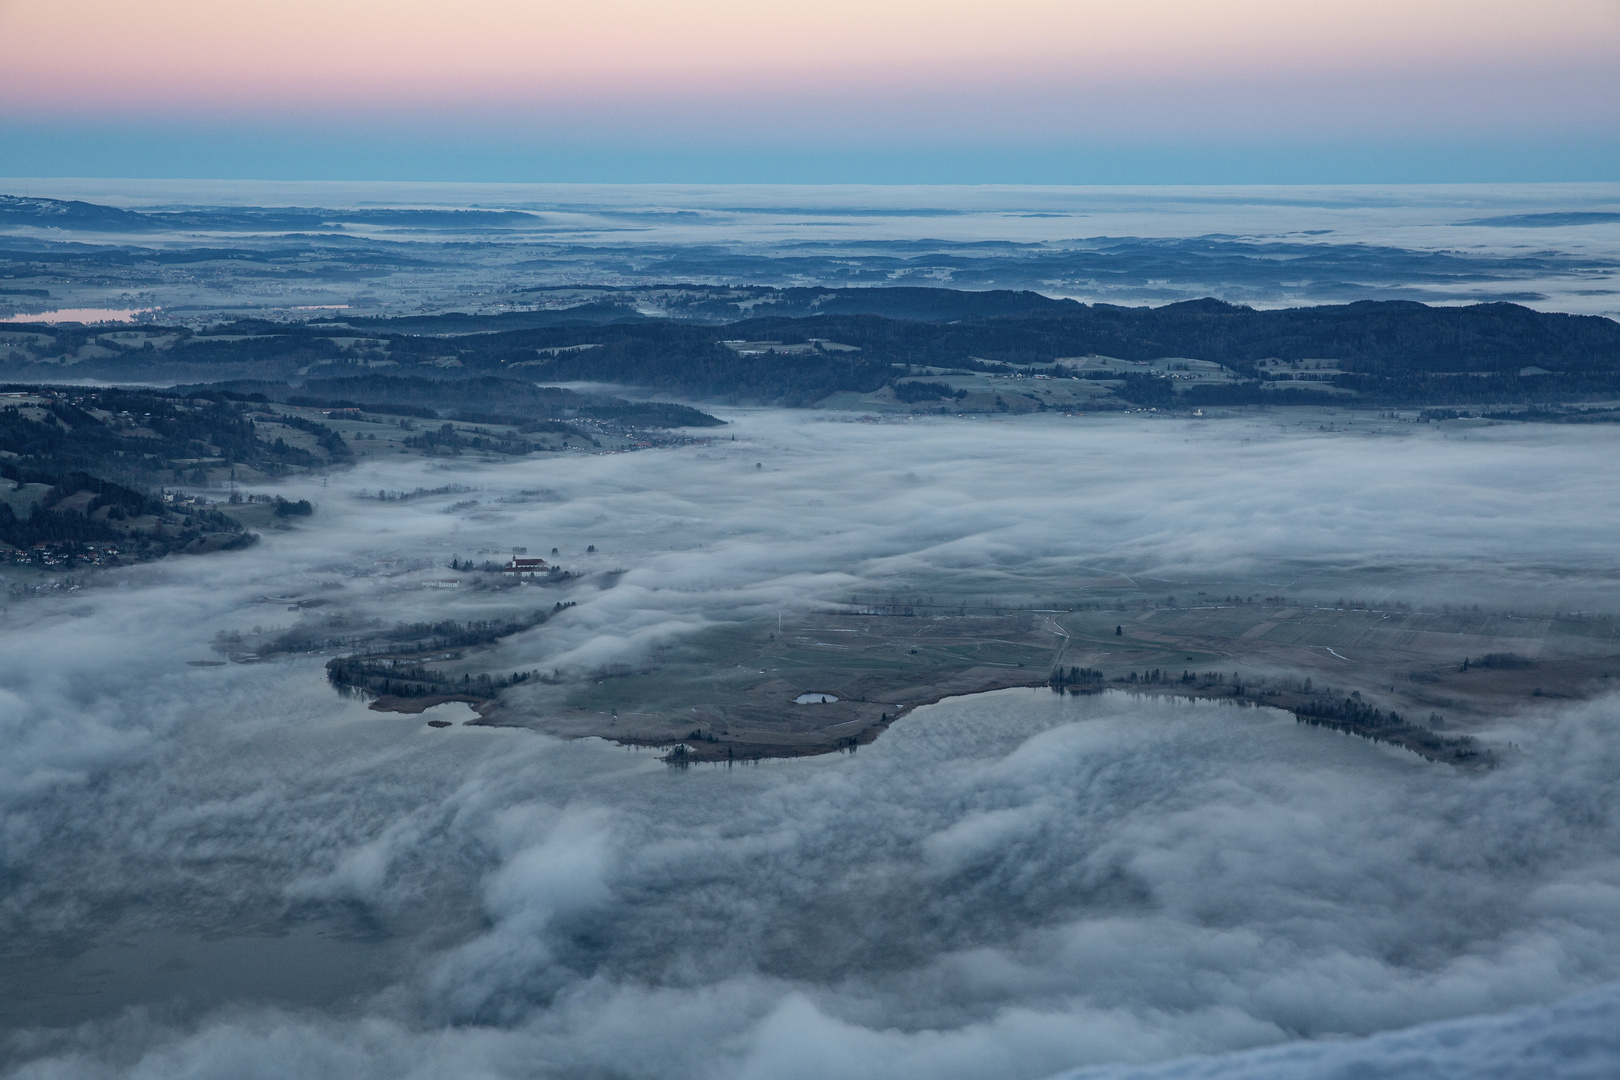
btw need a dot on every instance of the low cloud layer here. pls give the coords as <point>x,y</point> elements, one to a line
<point>1574,1039</point>
<point>1009,885</point>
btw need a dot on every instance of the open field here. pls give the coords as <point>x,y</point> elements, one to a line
<point>700,590</point>
<point>740,704</point>
<point>730,694</point>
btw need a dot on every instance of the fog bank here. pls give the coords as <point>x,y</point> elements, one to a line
<point>233,871</point>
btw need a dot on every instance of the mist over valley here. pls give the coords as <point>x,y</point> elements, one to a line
<point>745,633</point>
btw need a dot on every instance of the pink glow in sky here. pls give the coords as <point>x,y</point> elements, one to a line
<point>850,65</point>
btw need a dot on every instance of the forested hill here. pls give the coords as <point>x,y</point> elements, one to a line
<point>491,398</point>
<point>1399,352</point>
<point>1374,337</point>
<point>862,339</point>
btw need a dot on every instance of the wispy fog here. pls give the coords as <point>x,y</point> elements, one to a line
<point>231,870</point>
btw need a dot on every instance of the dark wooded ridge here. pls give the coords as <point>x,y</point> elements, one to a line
<point>1394,353</point>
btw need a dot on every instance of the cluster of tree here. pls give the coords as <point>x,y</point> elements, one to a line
<point>46,522</point>
<point>447,438</point>
<point>286,508</point>
<point>1555,415</point>
<point>1354,717</point>
<point>1320,707</point>
<point>266,352</point>
<point>384,495</point>
<point>401,671</point>
<point>382,408</point>
<point>407,679</point>
<point>54,527</point>
<point>654,414</point>
<point>329,440</point>
<point>450,634</point>
<point>399,642</point>
<point>1063,678</point>
<point>1157,677</point>
<point>127,501</point>
<point>476,398</point>
<point>911,391</point>
<point>143,437</point>
<point>68,437</point>
<point>1350,711</point>
<point>1499,661</point>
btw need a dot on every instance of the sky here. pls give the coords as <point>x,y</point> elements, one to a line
<point>714,91</point>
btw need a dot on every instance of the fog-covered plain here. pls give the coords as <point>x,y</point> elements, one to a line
<point>1551,246</point>
<point>231,870</point>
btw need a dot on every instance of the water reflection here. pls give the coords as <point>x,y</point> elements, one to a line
<point>81,315</point>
